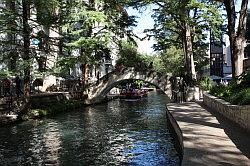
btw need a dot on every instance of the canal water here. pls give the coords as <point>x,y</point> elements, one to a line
<point>116,133</point>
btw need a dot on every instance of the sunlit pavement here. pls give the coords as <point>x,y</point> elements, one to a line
<point>209,139</point>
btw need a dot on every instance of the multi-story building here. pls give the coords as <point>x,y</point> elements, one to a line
<point>227,64</point>
<point>220,58</point>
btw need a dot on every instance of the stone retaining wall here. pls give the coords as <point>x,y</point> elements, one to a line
<point>46,99</point>
<point>236,113</point>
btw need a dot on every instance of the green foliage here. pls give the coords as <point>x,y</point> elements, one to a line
<point>35,113</point>
<point>172,20</point>
<point>85,30</point>
<point>234,93</point>
<point>244,79</point>
<point>219,90</point>
<point>46,11</point>
<point>51,110</point>
<point>206,83</point>
<point>93,29</point>
<point>172,60</point>
<point>242,97</point>
<point>157,64</point>
<point>128,55</point>
<point>4,74</point>
<point>139,83</point>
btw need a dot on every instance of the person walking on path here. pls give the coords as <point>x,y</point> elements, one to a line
<point>180,92</point>
<point>182,89</point>
<point>18,86</point>
<point>6,86</point>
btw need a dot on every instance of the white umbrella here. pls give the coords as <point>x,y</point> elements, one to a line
<point>214,77</point>
<point>227,77</point>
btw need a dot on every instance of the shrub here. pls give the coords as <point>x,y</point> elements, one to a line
<point>241,98</point>
<point>52,109</point>
<point>244,79</point>
<point>206,83</point>
<point>235,92</point>
<point>218,90</point>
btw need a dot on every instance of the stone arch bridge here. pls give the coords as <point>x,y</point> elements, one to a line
<point>97,92</point>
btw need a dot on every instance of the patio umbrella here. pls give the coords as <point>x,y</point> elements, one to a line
<point>227,77</point>
<point>214,77</point>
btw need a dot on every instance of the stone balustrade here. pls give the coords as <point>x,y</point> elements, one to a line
<point>236,113</point>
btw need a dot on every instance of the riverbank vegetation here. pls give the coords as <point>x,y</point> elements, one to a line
<point>52,110</point>
<point>235,93</point>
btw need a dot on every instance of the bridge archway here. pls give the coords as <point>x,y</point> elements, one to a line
<point>98,92</point>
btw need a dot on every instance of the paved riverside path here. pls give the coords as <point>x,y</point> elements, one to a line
<point>208,138</point>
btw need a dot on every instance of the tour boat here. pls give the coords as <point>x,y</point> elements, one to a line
<point>133,94</point>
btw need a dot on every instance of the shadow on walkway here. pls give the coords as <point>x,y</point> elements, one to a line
<point>238,135</point>
<point>209,139</point>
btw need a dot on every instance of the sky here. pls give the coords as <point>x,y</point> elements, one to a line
<point>146,22</point>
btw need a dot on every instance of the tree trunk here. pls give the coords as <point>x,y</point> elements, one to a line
<point>241,39</point>
<point>26,45</point>
<point>84,75</point>
<point>187,42</point>
<point>230,8</point>
<point>188,50</point>
<point>239,55</point>
<point>237,41</point>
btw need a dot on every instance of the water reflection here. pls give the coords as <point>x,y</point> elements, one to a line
<point>44,144</point>
<point>116,133</point>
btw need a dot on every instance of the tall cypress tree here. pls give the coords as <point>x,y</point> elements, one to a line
<point>183,24</point>
<point>90,28</point>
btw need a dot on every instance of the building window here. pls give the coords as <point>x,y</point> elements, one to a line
<point>216,65</point>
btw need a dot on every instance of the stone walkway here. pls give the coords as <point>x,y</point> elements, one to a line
<point>209,139</point>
